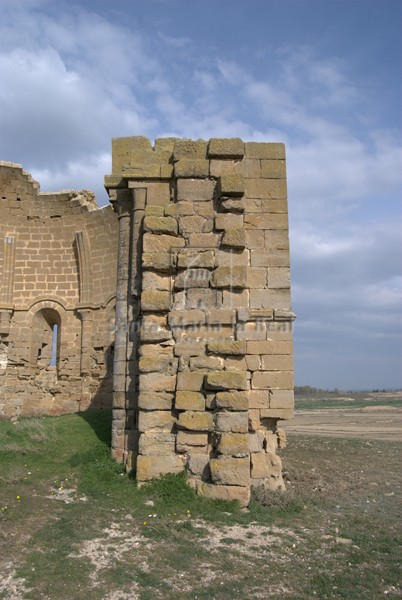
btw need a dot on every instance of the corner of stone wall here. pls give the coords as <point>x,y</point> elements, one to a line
<point>212,362</point>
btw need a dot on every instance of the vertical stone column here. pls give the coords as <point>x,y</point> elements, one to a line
<point>123,205</point>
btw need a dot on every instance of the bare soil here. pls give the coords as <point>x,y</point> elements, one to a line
<point>376,422</point>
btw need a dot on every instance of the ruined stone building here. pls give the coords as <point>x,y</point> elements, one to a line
<point>173,307</point>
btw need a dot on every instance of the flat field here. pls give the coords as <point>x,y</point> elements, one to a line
<point>74,527</point>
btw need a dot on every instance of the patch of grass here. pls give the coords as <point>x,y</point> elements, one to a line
<point>347,400</point>
<point>334,534</point>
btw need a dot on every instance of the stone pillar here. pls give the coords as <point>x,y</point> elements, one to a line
<point>123,205</point>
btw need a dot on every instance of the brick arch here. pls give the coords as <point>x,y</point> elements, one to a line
<point>43,303</point>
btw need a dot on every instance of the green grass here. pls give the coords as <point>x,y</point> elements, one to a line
<point>334,534</point>
<point>347,400</point>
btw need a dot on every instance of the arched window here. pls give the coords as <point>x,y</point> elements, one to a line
<point>46,339</point>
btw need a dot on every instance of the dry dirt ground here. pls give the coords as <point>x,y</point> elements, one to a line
<point>378,422</point>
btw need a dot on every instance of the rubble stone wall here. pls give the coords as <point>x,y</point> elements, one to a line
<point>203,365</point>
<point>58,258</point>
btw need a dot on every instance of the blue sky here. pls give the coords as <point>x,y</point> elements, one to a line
<point>324,76</point>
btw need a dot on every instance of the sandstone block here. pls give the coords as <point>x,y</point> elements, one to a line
<point>187,441</point>
<point>157,382</point>
<point>273,169</point>
<point>277,413</point>
<point>184,318</point>
<point>227,470</point>
<point>226,148</point>
<point>157,224</point>
<point>154,211</point>
<point>226,380</point>
<point>204,240</point>
<point>221,317</point>
<point>197,168</point>
<point>256,440</point>
<point>198,190</point>
<point>231,185</point>
<point>228,221</point>
<point>189,149</point>
<point>155,420</point>
<point>259,398</point>
<point>192,278</point>
<point>234,238</point>
<point>154,243</point>
<point>158,301</point>
<point>279,277</point>
<point>157,444</point>
<point>281,435</point>
<point>156,364</point>
<point>155,401</point>
<point>182,208</point>
<point>150,467</point>
<point>202,298</point>
<point>265,464</point>
<point>279,380</point>
<point>153,329</point>
<point>160,261</point>
<point>256,330</point>
<point>189,401</point>
<point>269,347</point>
<point>235,298</point>
<point>232,204</point>
<point>281,362</point>
<point>265,150</point>
<point>196,421</point>
<point>233,444</point>
<point>232,257</point>
<point>235,422</point>
<point>191,381</point>
<point>231,347</point>
<point>282,399</point>
<point>198,464</point>
<point>229,277</point>
<point>206,363</point>
<point>224,492</point>
<point>193,257</point>
<point>270,257</point>
<point>189,348</point>
<point>232,400</point>
<point>154,281</point>
<point>254,422</point>
<point>195,224</point>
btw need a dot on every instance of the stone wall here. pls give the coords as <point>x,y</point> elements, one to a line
<point>203,366</point>
<point>58,258</point>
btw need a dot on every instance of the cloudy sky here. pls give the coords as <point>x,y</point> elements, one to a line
<point>323,76</point>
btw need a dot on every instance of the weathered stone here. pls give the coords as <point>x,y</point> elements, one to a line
<point>225,492</point>
<point>191,382</point>
<point>236,422</point>
<point>230,347</point>
<point>157,382</point>
<point>273,380</point>
<point>189,401</point>
<point>226,380</point>
<point>191,258</point>
<point>198,464</point>
<point>157,444</point>
<point>156,364</point>
<point>229,277</point>
<point>198,190</point>
<point>256,440</point>
<point>265,464</point>
<point>155,420</point>
<point>161,243</point>
<point>225,221</point>
<point>232,204</point>
<point>234,444</point>
<point>234,238</point>
<point>231,185</point>
<point>187,441</point>
<point>226,148</point>
<point>156,301</point>
<point>227,470</point>
<point>196,421</point>
<point>192,278</point>
<point>207,363</point>
<point>153,329</point>
<point>232,400</point>
<point>277,413</point>
<point>195,167</point>
<point>185,149</point>
<point>154,281</point>
<point>155,401</point>
<point>195,224</point>
<point>150,467</point>
<point>185,318</point>
<point>266,150</point>
<point>157,224</point>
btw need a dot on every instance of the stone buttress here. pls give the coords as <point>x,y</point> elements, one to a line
<point>203,364</point>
